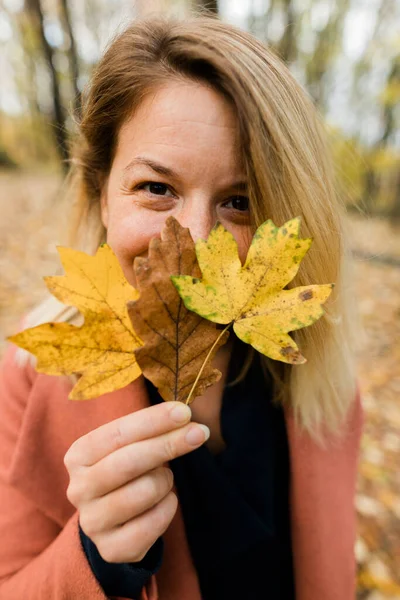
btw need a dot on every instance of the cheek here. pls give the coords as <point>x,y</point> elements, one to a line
<point>129,237</point>
<point>243,238</point>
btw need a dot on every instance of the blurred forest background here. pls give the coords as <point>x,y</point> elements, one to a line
<point>346,53</point>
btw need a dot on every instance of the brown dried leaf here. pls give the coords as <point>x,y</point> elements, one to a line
<point>177,341</point>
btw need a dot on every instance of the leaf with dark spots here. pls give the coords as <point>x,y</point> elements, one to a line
<point>251,297</point>
<point>306,295</point>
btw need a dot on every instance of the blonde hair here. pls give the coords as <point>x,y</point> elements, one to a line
<point>289,173</point>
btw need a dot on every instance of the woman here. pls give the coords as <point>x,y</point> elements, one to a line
<point>199,120</point>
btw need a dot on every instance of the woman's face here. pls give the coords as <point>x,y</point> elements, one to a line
<point>178,155</point>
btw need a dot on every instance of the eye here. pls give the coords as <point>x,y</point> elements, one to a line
<point>240,203</point>
<point>155,188</point>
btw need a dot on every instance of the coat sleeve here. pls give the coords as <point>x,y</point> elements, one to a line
<point>125,579</point>
<point>38,559</point>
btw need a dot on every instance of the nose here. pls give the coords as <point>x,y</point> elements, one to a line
<point>199,215</point>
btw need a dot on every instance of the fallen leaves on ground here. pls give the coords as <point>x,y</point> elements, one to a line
<point>378,489</point>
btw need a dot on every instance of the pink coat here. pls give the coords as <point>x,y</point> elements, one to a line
<point>40,552</point>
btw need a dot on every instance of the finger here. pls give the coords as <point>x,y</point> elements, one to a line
<point>126,502</point>
<point>131,541</point>
<point>134,460</point>
<point>146,423</point>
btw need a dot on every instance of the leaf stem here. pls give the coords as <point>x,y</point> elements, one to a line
<point>205,361</point>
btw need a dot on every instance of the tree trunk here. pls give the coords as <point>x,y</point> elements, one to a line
<point>319,64</point>
<point>370,189</point>
<point>72,56</point>
<point>287,45</point>
<point>390,127</point>
<point>371,186</point>
<point>210,5</point>
<point>395,212</point>
<point>35,11</point>
<point>389,109</point>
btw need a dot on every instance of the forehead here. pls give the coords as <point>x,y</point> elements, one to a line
<point>183,114</point>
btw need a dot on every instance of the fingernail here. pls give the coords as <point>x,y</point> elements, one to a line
<point>197,435</point>
<point>181,413</point>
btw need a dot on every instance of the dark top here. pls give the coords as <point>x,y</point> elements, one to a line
<point>234,504</point>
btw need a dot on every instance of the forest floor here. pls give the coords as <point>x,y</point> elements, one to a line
<point>32,213</point>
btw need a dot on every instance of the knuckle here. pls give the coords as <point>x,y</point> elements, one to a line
<point>88,523</point>
<point>140,556</point>
<point>173,501</point>
<point>148,488</point>
<point>71,456</point>
<point>73,494</point>
<point>109,553</point>
<point>113,552</point>
<point>67,460</point>
<point>116,435</point>
<point>169,448</point>
<point>78,490</point>
<point>166,512</point>
<point>124,462</point>
<point>158,486</point>
<point>173,504</point>
<point>151,487</point>
<point>168,478</point>
<point>101,520</point>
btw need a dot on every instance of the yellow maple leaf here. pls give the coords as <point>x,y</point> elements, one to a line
<point>252,296</point>
<point>102,349</point>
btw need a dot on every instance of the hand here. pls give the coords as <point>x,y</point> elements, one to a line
<point>118,482</point>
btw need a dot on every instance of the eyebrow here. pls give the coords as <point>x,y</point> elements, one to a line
<point>155,166</point>
<point>167,172</point>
